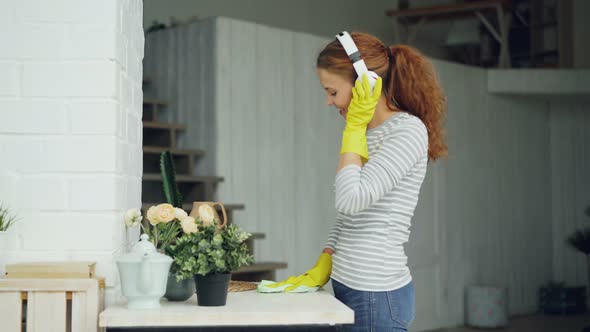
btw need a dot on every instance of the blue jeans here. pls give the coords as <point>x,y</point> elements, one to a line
<point>378,311</point>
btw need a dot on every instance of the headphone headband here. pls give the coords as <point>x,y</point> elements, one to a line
<point>353,52</point>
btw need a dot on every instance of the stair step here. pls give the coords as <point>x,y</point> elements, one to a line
<point>162,125</point>
<point>185,178</point>
<point>152,107</point>
<point>154,102</point>
<point>158,150</point>
<point>184,159</point>
<point>161,134</point>
<point>229,208</point>
<point>192,188</point>
<point>258,271</point>
<point>258,267</point>
<point>257,236</point>
<point>188,207</point>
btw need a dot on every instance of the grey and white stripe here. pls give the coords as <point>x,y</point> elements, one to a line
<point>375,205</point>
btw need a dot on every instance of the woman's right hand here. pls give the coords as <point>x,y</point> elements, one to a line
<point>363,103</point>
<point>360,113</point>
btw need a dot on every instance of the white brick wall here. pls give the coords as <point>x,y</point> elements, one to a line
<point>70,127</point>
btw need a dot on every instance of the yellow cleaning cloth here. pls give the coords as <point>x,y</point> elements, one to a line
<point>263,288</point>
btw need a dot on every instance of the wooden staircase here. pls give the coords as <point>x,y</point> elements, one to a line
<point>158,137</point>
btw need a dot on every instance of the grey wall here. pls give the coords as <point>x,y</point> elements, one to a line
<point>498,192</point>
<point>327,17</point>
<point>570,165</point>
<point>322,18</point>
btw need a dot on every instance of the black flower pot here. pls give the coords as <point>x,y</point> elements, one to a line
<point>179,290</point>
<point>212,289</point>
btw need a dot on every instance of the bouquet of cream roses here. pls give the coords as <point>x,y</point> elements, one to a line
<point>165,223</point>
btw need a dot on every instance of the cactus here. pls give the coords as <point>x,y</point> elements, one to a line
<point>169,180</point>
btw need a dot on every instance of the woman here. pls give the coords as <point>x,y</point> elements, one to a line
<point>391,132</point>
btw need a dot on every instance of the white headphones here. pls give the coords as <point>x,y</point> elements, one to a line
<point>355,56</point>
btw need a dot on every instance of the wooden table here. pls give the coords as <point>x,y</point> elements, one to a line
<point>414,18</point>
<point>243,309</point>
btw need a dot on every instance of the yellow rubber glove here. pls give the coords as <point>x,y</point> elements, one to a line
<point>317,276</point>
<point>360,112</point>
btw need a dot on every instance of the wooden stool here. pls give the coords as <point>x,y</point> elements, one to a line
<point>51,304</point>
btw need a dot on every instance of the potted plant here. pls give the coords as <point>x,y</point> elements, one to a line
<point>208,253</point>
<point>7,220</point>
<point>557,298</point>
<point>580,241</point>
<point>176,289</point>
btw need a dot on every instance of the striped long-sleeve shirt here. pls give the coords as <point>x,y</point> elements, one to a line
<point>375,205</point>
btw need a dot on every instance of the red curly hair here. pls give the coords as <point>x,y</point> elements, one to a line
<point>410,82</point>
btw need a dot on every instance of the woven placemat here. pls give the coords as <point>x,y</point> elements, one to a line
<point>241,286</point>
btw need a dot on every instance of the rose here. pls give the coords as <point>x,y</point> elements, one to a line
<point>132,217</point>
<point>180,214</point>
<point>165,213</point>
<point>189,225</point>
<point>152,215</point>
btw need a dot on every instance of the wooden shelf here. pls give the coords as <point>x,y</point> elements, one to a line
<point>483,10</point>
<point>450,11</point>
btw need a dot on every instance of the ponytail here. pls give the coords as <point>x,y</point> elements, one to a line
<point>413,86</point>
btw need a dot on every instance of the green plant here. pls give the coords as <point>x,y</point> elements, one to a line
<point>169,185</point>
<point>172,194</point>
<point>580,240</point>
<point>164,219</point>
<point>6,219</point>
<point>210,250</point>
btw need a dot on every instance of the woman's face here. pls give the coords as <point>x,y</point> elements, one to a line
<point>338,90</point>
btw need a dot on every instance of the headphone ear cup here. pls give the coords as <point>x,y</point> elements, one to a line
<point>372,78</point>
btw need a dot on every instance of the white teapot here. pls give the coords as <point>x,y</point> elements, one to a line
<point>144,274</point>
